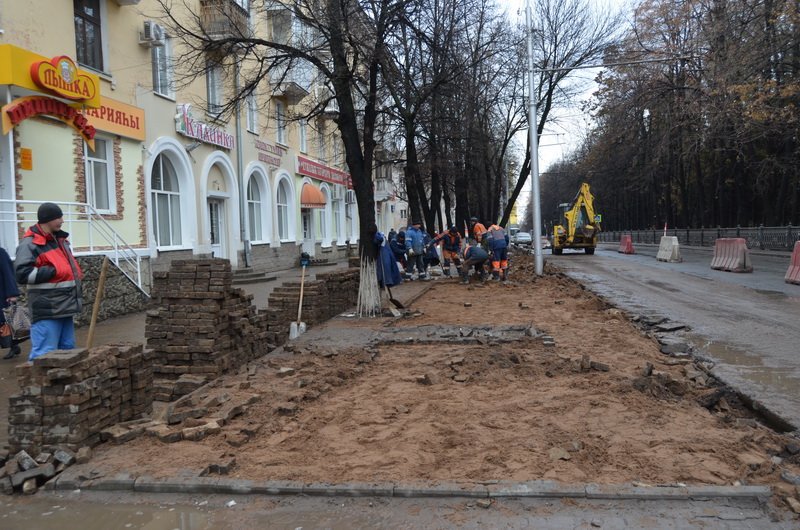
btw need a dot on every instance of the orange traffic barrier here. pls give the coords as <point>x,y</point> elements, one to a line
<point>731,255</point>
<point>626,244</point>
<point>793,274</point>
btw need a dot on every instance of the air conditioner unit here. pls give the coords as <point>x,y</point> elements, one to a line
<point>153,35</point>
<point>338,193</point>
<point>351,197</point>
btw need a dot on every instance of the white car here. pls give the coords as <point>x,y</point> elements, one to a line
<point>522,238</point>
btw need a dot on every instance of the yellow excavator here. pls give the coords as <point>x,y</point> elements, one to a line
<point>581,224</point>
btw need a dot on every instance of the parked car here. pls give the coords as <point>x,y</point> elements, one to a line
<point>522,238</point>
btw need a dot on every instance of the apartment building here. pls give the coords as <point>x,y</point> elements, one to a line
<point>95,120</point>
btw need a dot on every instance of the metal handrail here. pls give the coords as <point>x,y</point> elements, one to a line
<point>779,238</point>
<point>121,254</point>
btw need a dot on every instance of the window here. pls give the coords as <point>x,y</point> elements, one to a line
<point>280,123</point>
<point>244,4</point>
<point>252,114</point>
<point>101,190</point>
<point>337,222</point>
<point>214,86</point>
<point>88,33</point>
<point>337,153</point>
<point>303,136</point>
<point>322,151</point>
<point>403,214</point>
<point>166,203</point>
<point>254,210</point>
<point>283,211</point>
<point>324,219</point>
<point>162,70</point>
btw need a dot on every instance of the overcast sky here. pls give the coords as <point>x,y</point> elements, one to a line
<point>566,127</point>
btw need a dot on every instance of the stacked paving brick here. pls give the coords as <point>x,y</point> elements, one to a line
<point>68,397</point>
<point>201,327</point>
<point>323,298</point>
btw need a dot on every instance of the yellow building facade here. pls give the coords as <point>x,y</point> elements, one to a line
<point>154,163</point>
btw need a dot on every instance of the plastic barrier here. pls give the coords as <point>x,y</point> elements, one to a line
<point>793,274</point>
<point>669,250</point>
<point>626,244</point>
<point>731,255</point>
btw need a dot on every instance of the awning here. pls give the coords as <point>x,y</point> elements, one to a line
<point>311,197</point>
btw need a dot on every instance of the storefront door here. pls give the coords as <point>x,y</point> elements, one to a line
<point>8,226</point>
<point>216,214</point>
<point>308,231</point>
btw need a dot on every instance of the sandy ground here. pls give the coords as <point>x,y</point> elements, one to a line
<point>354,410</point>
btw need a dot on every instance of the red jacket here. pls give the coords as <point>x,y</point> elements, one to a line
<point>45,263</point>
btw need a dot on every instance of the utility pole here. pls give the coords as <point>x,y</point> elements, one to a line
<point>533,129</point>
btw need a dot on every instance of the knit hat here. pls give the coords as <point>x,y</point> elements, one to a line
<point>49,212</point>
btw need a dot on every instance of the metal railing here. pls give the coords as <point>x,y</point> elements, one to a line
<point>90,234</point>
<point>759,237</point>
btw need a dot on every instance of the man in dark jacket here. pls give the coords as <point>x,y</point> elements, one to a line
<point>474,256</point>
<point>46,265</point>
<point>451,248</point>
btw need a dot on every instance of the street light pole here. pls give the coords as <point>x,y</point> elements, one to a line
<point>534,147</point>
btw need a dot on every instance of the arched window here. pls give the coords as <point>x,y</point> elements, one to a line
<point>283,210</point>
<point>325,218</point>
<point>166,202</point>
<point>254,210</point>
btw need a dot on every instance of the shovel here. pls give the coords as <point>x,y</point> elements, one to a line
<point>393,300</point>
<point>298,328</point>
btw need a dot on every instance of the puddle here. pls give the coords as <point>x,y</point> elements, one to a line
<point>49,513</point>
<point>751,368</point>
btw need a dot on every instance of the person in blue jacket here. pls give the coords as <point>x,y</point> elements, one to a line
<point>398,246</point>
<point>388,273</point>
<point>474,256</point>
<point>9,291</point>
<point>415,251</point>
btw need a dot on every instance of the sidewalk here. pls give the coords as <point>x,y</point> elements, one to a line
<point>131,327</point>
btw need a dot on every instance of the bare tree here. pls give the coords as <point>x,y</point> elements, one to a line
<point>341,42</point>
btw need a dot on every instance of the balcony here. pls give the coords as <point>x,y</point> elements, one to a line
<point>292,83</point>
<point>383,190</point>
<point>222,19</point>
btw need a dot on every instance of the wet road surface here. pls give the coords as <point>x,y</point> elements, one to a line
<point>748,323</point>
<point>115,511</point>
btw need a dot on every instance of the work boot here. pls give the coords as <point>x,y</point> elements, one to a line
<point>496,276</point>
<point>465,280</point>
<point>12,352</point>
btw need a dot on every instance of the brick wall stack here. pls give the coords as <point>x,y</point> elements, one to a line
<point>324,297</point>
<point>200,327</point>
<point>68,397</point>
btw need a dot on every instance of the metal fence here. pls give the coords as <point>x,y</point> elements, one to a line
<point>760,237</point>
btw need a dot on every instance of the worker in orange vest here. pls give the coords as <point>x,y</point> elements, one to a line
<point>477,229</point>
<point>498,244</point>
<point>451,246</point>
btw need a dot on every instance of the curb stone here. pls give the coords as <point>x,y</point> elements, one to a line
<point>537,488</point>
<point>529,489</point>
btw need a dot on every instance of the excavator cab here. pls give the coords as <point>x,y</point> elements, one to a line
<point>580,224</point>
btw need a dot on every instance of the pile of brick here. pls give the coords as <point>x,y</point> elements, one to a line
<point>68,397</point>
<point>200,327</point>
<point>324,297</point>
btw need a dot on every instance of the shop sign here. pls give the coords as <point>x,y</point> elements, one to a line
<point>119,118</point>
<point>61,77</point>
<point>270,154</point>
<point>309,168</point>
<point>23,108</point>
<point>186,125</point>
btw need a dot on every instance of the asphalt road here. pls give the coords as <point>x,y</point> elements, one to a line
<point>748,323</point>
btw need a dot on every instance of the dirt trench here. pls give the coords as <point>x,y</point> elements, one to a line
<point>597,403</point>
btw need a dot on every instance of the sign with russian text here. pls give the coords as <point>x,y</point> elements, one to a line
<point>186,125</point>
<point>119,118</point>
<point>23,108</point>
<point>270,154</point>
<point>61,76</point>
<point>310,168</point>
